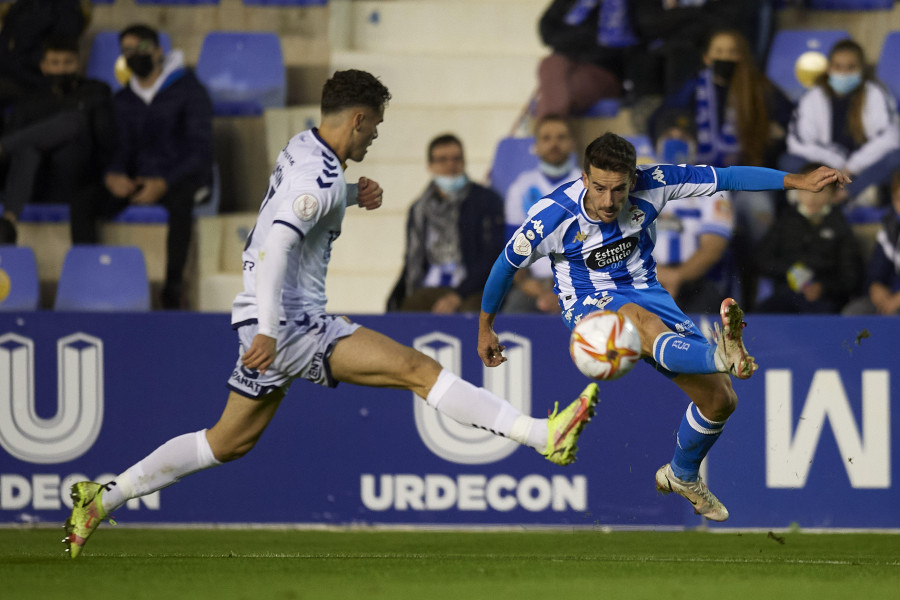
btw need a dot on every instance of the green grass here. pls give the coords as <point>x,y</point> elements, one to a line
<point>290,564</point>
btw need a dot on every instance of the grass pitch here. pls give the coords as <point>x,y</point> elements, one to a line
<point>225,564</point>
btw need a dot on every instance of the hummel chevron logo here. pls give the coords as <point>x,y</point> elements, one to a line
<point>323,184</point>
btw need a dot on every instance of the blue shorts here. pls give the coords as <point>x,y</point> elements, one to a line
<point>654,299</point>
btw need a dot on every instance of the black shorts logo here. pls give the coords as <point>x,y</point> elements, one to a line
<point>607,255</point>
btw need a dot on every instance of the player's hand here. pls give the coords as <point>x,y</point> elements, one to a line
<point>370,194</point>
<point>260,354</point>
<point>489,348</point>
<point>815,181</point>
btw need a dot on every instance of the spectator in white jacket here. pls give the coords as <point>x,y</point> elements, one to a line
<point>847,121</point>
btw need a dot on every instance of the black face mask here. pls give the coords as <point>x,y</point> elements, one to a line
<point>724,69</point>
<point>64,83</point>
<point>140,64</point>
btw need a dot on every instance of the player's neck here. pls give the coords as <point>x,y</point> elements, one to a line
<point>337,137</point>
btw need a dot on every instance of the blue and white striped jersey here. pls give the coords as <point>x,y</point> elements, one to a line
<point>307,193</point>
<point>590,256</point>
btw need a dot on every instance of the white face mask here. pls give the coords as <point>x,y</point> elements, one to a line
<point>450,184</point>
<point>555,171</point>
<point>844,83</point>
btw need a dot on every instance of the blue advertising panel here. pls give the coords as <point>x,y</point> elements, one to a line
<point>84,396</point>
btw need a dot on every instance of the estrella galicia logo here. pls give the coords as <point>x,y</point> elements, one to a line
<point>607,255</point>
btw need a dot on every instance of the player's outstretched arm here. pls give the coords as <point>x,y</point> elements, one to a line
<point>815,181</point>
<point>489,348</point>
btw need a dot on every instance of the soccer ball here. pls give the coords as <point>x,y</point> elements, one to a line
<point>605,345</point>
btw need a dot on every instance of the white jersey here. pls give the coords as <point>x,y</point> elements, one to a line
<point>590,256</point>
<point>680,225</point>
<point>526,191</point>
<point>308,194</point>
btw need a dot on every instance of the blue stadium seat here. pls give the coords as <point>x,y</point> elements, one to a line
<point>18,270</point>
<point>851,4</point>
<point>787,46</point>
<point>888,69</point>
<point>643,147</point>
<point>44,213</point>
<point>177,1</point>
<point>103,279</point>
<point>605,108</point>
<point>104,52</point>
<point>243,72</point>
<point>513,156</point>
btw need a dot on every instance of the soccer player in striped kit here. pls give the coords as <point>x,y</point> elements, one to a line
<point>599,233</point>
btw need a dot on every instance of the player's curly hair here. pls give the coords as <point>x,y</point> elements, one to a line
<point>353,88</point>
<point>610,152</point>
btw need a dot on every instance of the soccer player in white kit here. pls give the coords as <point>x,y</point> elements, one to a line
<point>600,233</point>
<point>286,334</point>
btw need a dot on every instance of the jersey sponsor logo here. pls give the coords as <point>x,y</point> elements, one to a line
<point>521,245</point>
<point>580,237</point>
<point>616,252</point>
<point>658,175</point>
<point>637,216</point>
<point>305,207</point>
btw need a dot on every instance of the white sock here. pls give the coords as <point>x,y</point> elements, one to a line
<point>164,466</point>
<point>477,407</point>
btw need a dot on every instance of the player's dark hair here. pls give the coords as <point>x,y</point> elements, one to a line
<point>610,152</point>
<point>142,32</point>
<point>443,140</point>
<point>353,88</point>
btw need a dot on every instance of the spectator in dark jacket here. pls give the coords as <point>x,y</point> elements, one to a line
<point>164,145</point>
<point>811,255</point>
<point>63,131</point>
<point>453,235</point>
<point>883,274</point>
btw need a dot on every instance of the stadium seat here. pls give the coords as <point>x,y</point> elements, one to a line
<point>243,72</point>
<point>888,69</point>
<point>787,46</point>
<point>104,52</point>
<point>43,213</point>
<point>103,279</point>
<point>177,1</point>
<point>851,4</point>
<point>19,289</point>
<point>513,156</point>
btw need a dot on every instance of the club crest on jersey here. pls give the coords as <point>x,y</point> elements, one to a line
<point>637,216</point>
<point>305,207</point>
<point>521,245</point>
<point>613,253</point>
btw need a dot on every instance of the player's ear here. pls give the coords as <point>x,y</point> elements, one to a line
<point>633,181</point>
<point>358,118</point>
<point>585,179</point>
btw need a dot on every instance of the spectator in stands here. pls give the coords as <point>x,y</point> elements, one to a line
<point>581,69</point>
<point>811,255</point>
<point>883,280</point>
<point>26,26</point>
<point>847,121</point>
<point>163,152</point>
<point>62,131</point>
<point>733,115</point>
<point>532,289</point>
<point>454,233</point>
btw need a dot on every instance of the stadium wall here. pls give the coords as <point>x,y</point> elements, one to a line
<point>813,441</point>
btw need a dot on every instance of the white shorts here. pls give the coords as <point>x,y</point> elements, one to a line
<point>303,347</point>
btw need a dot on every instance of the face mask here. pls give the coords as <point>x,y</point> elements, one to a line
<point>724,69</point>
<point>555,171</point>
<point>140,64</point>
<point>63,82</point>
<point>844,83</point>
<point>450,184</point>
<point>801,208</point>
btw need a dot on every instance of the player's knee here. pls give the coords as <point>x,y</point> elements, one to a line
<point>232,449</point>
<point>723,402</point>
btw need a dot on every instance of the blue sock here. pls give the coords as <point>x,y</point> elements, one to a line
<point>684,355</point>
<point>696,435</point>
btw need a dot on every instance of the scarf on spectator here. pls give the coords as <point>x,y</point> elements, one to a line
<point>434,234</point>
<point>613,21</point>
<point>717,142</point>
